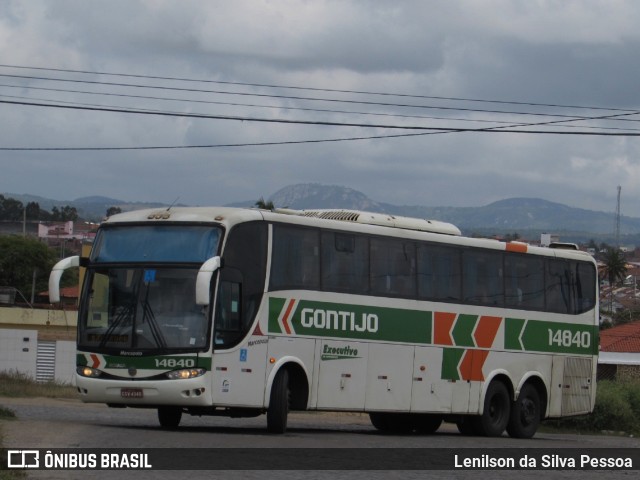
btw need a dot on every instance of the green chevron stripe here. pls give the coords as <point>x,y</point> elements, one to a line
<point>450,360</point>
<point>512,330</point>
<point>462,332</point>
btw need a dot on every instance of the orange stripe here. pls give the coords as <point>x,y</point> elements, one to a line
<point>486,331</point>
<point>285,319</point>
<point>517,247</point>
<point>472,363</point>
<point>442,328</point>
<point>96,360</point>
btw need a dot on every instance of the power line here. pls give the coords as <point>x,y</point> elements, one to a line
<point>327,123</point>
<point>429,130</point>
<point>312,99</point>
<point>321,110</point>
<point>361,92</point>
<point>506,127</point>
<point>280,107</point>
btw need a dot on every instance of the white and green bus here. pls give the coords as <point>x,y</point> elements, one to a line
<point>241,312</point>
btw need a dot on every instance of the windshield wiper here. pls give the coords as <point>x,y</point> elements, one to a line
<point>124,313</point>
<point>149,316</point>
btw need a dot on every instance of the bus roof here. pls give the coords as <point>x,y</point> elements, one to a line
<point>381,219</point>
<point>220,214</point>
<point>351,219</point>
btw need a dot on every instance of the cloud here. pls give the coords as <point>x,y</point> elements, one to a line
<point>550,52</point>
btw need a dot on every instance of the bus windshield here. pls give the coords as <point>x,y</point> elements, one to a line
<point>156,243</point>
<point>142,309</point>
<point>140,292</point>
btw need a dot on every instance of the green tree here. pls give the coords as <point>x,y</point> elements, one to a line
<point>11,209</point>
<point>33,211</point>
<point>615,266</point>
<point>113,211</point>
<point>64,214</point>
<point>20,258</point>
<point>264,205</point>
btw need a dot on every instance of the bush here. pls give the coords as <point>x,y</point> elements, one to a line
<point>6,413</point>
<point>16,384</point>
<point>617,409</point>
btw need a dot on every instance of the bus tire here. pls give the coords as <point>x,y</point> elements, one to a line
<point>426,423</point>
<point>169,417</point>
<point>391,422</point>
<point>467,426</point>
<point>401,423</point>
<point>525,413</point>
<point>380,421</point>
<point>279,403</point>
<point>496,413</point>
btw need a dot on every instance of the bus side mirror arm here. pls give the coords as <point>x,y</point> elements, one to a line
<point>203,280</point>
<point>56,275</point>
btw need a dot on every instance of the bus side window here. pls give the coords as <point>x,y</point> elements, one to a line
<point>393,267</point>
<point>524,281</point>
<point>296,258</point>
<point>439,273</point>
<point>228,311</point>
<point>585,287</point>
<point>241,281</point>
<point>345,263</point>
<point>558,285</point>
<point>483,281</point>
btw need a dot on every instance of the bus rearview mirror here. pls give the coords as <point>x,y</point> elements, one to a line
<point>203,280</point>
<point>56,275</point>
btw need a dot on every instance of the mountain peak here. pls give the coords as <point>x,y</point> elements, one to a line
<point>314,195</point>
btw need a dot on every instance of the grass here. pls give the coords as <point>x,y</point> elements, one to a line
<point>14,384</point>
<point>6,413</point>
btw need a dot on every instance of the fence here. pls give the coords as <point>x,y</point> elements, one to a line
<point>20,351</point>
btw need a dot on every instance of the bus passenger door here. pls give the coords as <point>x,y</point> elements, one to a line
<point>342,375</point>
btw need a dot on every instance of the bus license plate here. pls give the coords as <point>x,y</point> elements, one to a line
<point>131,393</point>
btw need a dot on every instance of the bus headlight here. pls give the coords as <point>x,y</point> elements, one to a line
<point>186,373</point>
<point>88,372</point>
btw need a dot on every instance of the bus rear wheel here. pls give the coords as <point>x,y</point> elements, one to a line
<point>169,417</point>
<point>525,413</point>
<point>279,403</point>
<point>496,413</point>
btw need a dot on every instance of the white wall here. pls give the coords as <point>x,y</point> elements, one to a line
<point>66,361</point>
<point>19,352</point>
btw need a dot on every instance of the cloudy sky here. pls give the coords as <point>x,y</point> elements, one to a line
<point>410,80</point>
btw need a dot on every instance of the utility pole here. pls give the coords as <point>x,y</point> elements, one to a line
<point>617,225</point>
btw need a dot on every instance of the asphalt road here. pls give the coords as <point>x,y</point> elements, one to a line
<point>52,424</point>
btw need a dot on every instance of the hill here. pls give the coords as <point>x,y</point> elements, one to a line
<point>526,216</point>
<point>92,208</point>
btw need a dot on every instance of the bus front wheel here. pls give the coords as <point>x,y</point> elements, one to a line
<point>279,403</point>
<point>169,417</point>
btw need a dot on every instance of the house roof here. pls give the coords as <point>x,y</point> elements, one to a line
<point>66,292</point>
<point>623,338</point>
